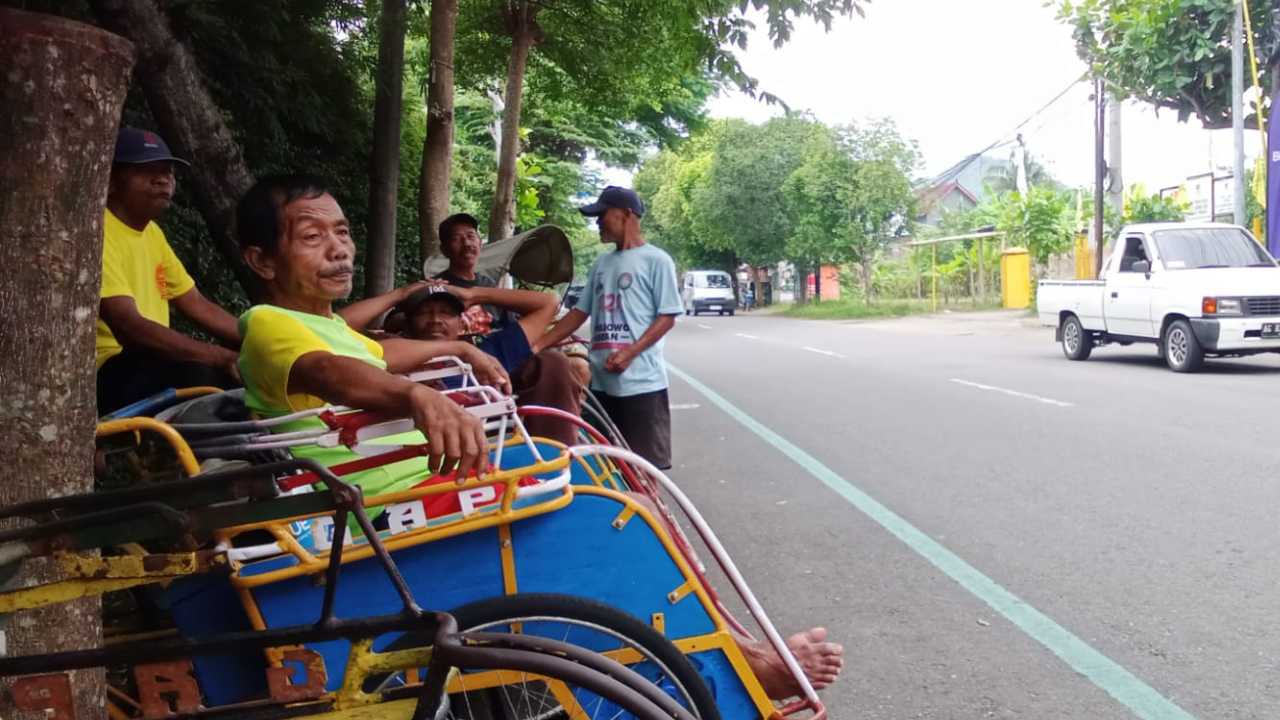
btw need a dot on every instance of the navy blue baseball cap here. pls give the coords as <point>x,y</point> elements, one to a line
<point>615,197</point>
<point>134,147</point>
<point>430,293</point>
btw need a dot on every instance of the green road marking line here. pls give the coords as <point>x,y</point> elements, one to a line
<point>1101,670</point>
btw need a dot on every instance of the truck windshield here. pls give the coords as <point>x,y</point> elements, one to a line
<point>713,281</point>
<point>1194,248</point>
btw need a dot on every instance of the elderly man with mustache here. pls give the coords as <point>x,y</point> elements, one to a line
<point>297,353</point>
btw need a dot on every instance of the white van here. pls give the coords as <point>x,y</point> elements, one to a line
<point>707,291</point>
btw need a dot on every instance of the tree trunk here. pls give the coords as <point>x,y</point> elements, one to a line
<point>437,149</point>
<point>524,34</point>
<point>63,87</point>
<point>188,119</point>
<point>866,281</point>
<point>384,160</point>
<point>817,282</point>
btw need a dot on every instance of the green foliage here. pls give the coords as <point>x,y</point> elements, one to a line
<point>1043,221</point>
<point>851,195</point>
<point>1170,53</point>
<point>789,189</point>
<point>852,309</point>
<point>1139,207</point>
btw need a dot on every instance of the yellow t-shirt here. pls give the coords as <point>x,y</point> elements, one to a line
<point>273,338</point>
<point>140,265</point>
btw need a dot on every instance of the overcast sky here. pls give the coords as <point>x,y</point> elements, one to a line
<point>957,76</point>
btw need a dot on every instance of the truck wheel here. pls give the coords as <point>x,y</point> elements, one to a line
<point>1182,349</point>
<point>1077,343</point>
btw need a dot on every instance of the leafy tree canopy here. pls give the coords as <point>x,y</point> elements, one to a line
<point>1171,53</point>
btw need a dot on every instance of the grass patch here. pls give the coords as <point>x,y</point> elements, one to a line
<point>857,310</point>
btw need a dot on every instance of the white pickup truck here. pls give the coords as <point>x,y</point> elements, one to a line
<point>1192,289</point>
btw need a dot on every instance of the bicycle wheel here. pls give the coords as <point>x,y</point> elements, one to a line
<point>508,695</point>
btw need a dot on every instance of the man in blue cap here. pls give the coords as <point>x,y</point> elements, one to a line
<point>632,299</point>
<point>138,354</point>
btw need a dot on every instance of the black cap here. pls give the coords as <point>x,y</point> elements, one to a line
<point>134,147</point>
<point>433,293</point>
<point>615,197</point>
<point>447,225</point>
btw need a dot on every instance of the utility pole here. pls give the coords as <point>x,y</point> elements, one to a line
<point>1099,169</point>
<point>1115,157</point>
<point>1237,116</point>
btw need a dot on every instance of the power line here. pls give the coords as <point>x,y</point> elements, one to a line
<point>954,170</point>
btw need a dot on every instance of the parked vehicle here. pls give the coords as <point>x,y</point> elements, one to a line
<point>1195,290</point>
<point>707,291</point>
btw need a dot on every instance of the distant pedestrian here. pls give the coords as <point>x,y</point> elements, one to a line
<point>632,299</point>
<point>749,297</point>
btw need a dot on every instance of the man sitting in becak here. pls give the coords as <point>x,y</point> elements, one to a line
<point>297,353</point>
<point>436,311</point>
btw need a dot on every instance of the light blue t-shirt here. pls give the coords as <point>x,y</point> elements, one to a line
<point>626,291</point>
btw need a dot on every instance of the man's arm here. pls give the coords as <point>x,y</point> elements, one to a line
<point>621,360</point>
<point>403,355</point>
<point>131,329</point>
<point>360,315</point>
<point>454,437</point>
<point>208,315</point>
<point>536,309</point>
<point>563,328</point>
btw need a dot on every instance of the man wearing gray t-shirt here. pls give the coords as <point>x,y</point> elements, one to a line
<point>632,299</point>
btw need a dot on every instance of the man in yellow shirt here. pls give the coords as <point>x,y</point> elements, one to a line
<point>138,354</point>
<point>298,353</point>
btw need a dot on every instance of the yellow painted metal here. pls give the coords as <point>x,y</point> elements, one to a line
<point>127,566</point>
<point>91,575</point>
<point>363,662</point>
<point>1253,65</point>
<point>623,518</point>
<point>145,424</point>
<point>309,564</point>
<point>1084,258</point>
<point>1015,279</point>
<point>720,639</point>
<point>187,393</point>
<point>394,710</point>
<point>679,593</point>
<point>933,278</point>
<point>659,622</point>
<point>507,549</point>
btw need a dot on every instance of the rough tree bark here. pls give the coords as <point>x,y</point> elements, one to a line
<point>437,150</point>
<point>384,160</point>
<point>188,119</point>
<point>61,94</point>
<point>520,19</point>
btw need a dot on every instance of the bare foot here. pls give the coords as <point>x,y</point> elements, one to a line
<point>820,660</point>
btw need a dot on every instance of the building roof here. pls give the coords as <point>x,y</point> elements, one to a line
<point>933,194</point>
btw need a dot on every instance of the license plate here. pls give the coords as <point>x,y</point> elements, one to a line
<point>1271,330</point>
<point>714,307</point>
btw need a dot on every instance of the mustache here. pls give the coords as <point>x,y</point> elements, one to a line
<point>338,270</point>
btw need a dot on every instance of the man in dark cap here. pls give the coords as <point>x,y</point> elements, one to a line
<point>138,354</point>
<point>460,242</point>
<point>632,299</point>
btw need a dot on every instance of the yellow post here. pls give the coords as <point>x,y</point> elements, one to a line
<point>935,277</point>
<point>1015,278</point>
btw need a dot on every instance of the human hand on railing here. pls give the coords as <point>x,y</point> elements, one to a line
<point>455,438</point>
<point>487,368</point>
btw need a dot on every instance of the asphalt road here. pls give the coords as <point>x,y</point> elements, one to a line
<point>1052,539</point>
